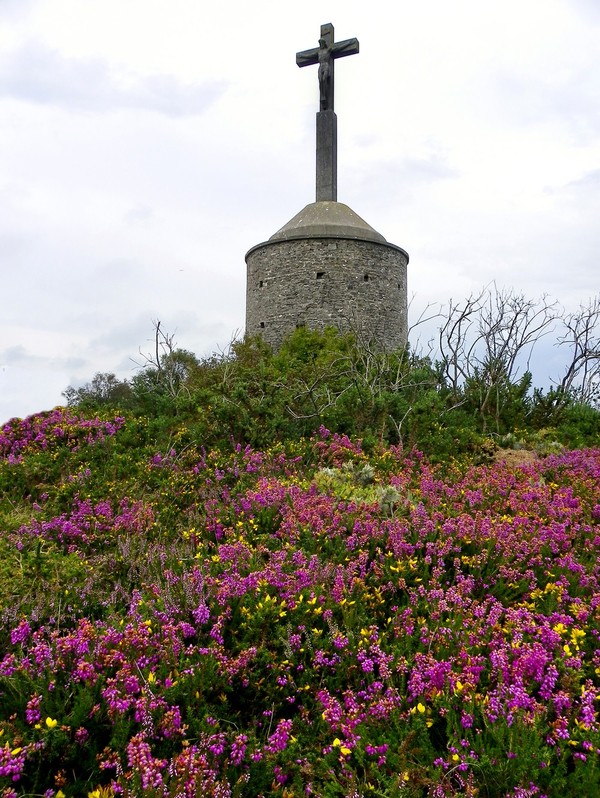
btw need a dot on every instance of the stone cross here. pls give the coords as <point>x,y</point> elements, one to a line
<point>324,55</point>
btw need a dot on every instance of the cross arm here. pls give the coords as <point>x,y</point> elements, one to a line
<point>347,47</point>
<point>307,57</point>
<point>338,50</point>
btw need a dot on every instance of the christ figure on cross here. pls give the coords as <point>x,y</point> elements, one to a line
<point>325,57</point>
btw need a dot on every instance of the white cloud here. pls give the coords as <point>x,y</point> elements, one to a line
<point>25,391</point>
<point>39,74</point>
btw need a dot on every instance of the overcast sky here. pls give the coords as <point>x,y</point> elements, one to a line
<point>146,145</point>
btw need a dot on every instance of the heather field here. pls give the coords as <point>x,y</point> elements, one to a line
<point>305,620</point>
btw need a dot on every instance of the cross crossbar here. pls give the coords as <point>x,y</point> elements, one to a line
<point>324,55</point>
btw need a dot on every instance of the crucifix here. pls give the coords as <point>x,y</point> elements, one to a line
<point>324,55</point>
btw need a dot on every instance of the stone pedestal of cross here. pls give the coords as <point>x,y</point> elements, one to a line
<point>324,55</point>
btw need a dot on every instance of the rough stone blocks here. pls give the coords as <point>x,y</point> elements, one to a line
<point>349,284</point>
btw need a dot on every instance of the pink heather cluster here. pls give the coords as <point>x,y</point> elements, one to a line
<point>87,525</point>
<point>12,763</point>
<point>32,713</point>
<point>336,449</point>
<point>43,431</point>
<point>144,764</point>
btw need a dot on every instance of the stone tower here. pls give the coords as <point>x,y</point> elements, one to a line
<point>327,267</point>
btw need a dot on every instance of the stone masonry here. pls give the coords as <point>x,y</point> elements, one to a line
<point>327,268</point>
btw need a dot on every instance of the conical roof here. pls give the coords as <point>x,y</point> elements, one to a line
<point>328,220</point>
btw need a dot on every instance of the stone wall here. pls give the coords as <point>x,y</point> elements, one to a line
<point>321,282</point>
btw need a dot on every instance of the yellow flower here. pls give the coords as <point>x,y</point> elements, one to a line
<point>51,723</point>
<point>577,635</point>
<point>420,707</point>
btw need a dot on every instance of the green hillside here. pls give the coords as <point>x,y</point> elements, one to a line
<point>309,573</point>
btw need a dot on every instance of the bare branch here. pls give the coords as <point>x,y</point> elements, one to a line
<point>582,336</point>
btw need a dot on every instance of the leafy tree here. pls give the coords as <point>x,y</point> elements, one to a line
<point>104,389</point>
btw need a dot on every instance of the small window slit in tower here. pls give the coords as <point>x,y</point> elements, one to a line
<point>320,275</point>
